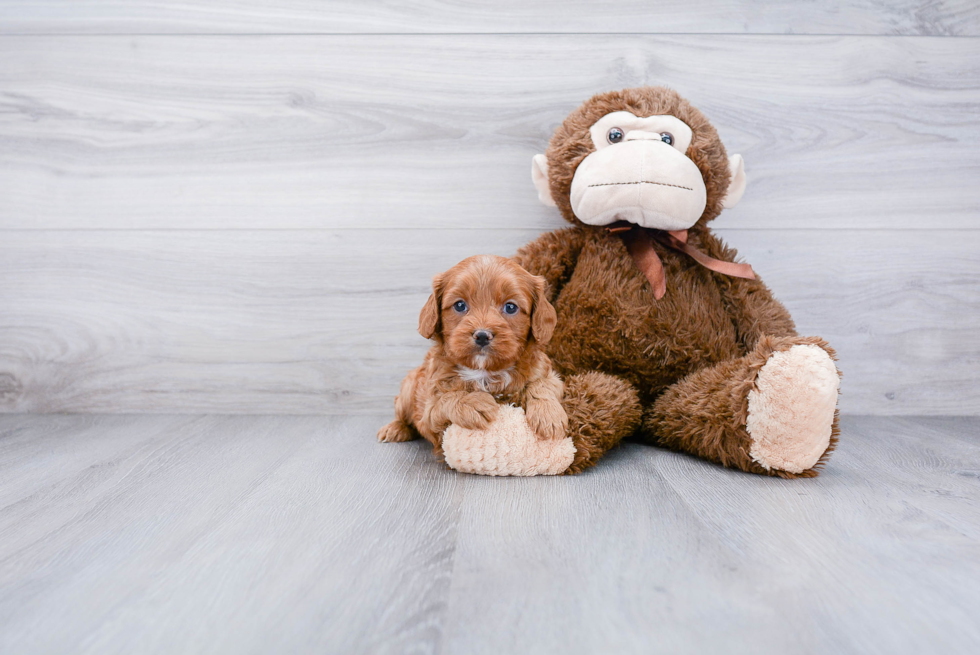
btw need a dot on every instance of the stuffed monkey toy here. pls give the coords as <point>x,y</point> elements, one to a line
<point>661,335</point>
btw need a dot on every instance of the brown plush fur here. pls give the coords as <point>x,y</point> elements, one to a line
<point>602,410</point>
<point>705,413</point>
<point>462,382</point>
<point>689,358</point>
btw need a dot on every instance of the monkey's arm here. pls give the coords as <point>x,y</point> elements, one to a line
<point>553,256</point>
<point>757,313</point>
<point>750,303</point>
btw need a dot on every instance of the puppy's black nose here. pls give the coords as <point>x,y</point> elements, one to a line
<point>482,337</point>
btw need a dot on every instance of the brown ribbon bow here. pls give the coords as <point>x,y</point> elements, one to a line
<point>639,242</point>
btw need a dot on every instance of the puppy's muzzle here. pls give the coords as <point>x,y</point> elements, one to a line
<point>482,338</point>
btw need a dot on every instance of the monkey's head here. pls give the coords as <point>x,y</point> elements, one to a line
<point>642,155</point>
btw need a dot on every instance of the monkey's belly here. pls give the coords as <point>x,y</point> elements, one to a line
<point>613,324</point>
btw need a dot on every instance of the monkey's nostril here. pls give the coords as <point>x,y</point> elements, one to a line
<point>482,337</point>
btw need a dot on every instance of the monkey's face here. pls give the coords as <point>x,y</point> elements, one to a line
<point>651,169</point>
<point>639,173</point>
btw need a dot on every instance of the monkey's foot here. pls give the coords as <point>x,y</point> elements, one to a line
<point>507,447</point>
<point>792,408</point>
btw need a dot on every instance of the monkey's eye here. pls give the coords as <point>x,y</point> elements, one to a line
<point>460,306</point>
<point>510,308</point>
<point>667,138</point>
<point>615,135</point>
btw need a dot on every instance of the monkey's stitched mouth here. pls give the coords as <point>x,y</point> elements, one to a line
<point>676,186</point>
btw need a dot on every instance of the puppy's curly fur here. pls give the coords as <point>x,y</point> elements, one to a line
<point>490,320</point>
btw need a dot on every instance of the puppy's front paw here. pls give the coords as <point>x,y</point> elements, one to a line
<point>395,431</point>
<point>547,418</point>
<point>476,411</point>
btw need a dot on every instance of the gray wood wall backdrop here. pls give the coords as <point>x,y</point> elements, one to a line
<point>237,207</point>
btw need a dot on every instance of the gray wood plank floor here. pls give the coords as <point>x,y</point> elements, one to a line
<point>123,534</point>
<point>217,222</point>
<point>287,132</point>
<point>916,17</point>
<point>325,321</point>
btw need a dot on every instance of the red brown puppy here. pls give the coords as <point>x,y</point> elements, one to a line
<point>490,320</point>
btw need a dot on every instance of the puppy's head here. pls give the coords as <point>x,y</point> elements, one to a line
<point>485,310</point>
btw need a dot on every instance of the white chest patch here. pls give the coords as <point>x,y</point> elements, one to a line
<point>491,381</point>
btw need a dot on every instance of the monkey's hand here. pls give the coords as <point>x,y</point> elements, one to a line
<point>547,418</point>
<point>474,411</point>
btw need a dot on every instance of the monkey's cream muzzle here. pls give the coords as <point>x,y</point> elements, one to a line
<point>641,180</point>
<point>638,174</point>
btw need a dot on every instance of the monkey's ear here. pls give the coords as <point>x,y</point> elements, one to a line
<point>543,315</point>
<point>429,319</point>
<point>737,186</point>
<point>539,175</point>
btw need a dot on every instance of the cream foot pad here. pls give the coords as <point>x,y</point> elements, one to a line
<point>508,447</point>
<point>791,410</point>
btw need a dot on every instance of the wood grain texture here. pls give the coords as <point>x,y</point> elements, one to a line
<point>911,17</point>
<point>324,321</point>
<point>302,534</point>
<point>438,131</point>
<point>213,519</point>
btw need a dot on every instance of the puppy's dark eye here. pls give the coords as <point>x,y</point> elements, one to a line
<point>510,308</point>
<point>460,306</point>
<point>615,135</point>
<point>667,138</point>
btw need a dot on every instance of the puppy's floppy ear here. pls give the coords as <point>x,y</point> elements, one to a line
<point>543,315</point>
<point>429,319</point>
